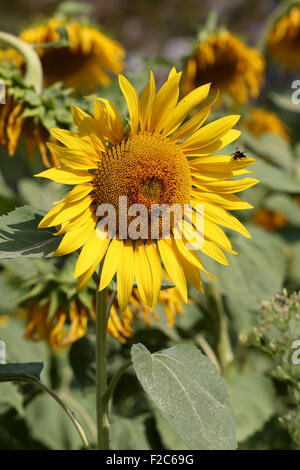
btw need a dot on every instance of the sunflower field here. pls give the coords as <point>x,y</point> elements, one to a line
<point>150,225</point>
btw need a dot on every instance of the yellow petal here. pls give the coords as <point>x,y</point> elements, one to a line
<point>185,106</point>
<point>74,141</point>
<point>73,158</point>
<point>93,250</point>
<point>164,103</point>
<point>232,186</point>
<point>145,103</point>
<point>143,274</point>
<point>220,216</point>
<point>156,270</point>
<point>125,275</point>
<point>192,124</point>
<point>74,239</point>
<point>63,213</point>
<point>66,175</point>
<point>172,265</point>
<point>209,133</point>
<point>132,99</point>
<point>231,136</point>
<point>111,262</point>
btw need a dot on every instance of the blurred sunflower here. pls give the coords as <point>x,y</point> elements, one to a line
<point>85,63</point>
<point>154,163</point>
<point>268,219</point>
<point>260,121</point>
<point>68,323</point>
<point>228,64</point>
<point>283,39</point>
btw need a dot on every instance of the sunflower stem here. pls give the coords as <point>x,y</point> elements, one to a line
<point>34,74</point>
<point>101,374</point>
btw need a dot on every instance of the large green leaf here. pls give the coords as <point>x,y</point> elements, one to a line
<point>20,236</point>
<point>168,436</point>
<point>189,392</point>
<point>253,400</point>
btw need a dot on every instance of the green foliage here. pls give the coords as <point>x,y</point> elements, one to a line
<point>190,394</point>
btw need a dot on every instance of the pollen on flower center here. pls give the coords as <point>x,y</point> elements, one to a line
<point>147,168</point>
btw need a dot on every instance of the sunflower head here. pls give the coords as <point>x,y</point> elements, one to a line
<point>260,121</point>
<point>85,64</point>
<point>160,162</point>
<point>283,38</point>
<point>27,115</point>
<point>228,64</point>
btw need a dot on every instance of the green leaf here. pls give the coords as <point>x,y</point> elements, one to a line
<point>128,433</point>
<point>169,437</point>
<point>272,146</point>
<point>50,425</point>
<point>275,178</point>
<point>20,236</point>
<point>189,392</point>
<point>253,400</point>
<point>256,273</point>
<point>23,372</point>
<point>285,204</point>
<point>10,397</point>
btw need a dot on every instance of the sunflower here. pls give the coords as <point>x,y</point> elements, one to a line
<point>156,161</point>
<point>283,40</point>
<point>228,64</point>
<point>85,63</point>
<point>14,127</point>
<point>68,322</point>
<point>60,328</point>
<point>260,121</point>
<point>270,220</point>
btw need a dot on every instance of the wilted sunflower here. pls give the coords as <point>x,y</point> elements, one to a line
<point>83,65</point>
<point>283,39</point>
<point>270,220</point>
<point>260,121</point>
<point>68,323</point>
<point>14,127</point>
<point>228,64</point>
<point>158,161</point>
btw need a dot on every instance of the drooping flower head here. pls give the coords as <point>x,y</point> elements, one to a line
<point>228,64</point>
<point>260,121</point>
<point>67,322</point>
<point>156,160</point>
<point>283,38</point>
<point>26,115</point>
<point>85,64</point>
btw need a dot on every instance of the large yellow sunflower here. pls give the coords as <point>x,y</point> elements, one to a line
<point>158,160</point>
<point>283,40</point>
<point>85,64</point>
<point>228,64</point>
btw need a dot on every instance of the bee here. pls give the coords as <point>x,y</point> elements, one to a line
<point>238,155</point>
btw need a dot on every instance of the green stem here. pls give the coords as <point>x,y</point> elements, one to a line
<point>115,380</point>
<point>67,410</point>
<point>101,375</point>
<point>34,74</point>
<point>224,349</point>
